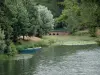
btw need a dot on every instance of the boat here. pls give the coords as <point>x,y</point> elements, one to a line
<point>29,50</point>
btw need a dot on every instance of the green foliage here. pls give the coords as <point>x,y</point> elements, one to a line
<point>51,4</point>
<point>2,42</point>
<point>82,33</point>
<point>82,12</point>
<point>51,42</point>
<point>45,20</point>
<point>5,19</point>
<point>69,15</point>
<point>98,42</point>
<point>22,18</point>
<point>43,43</point>
<point>92,31</point>
<point>12,49</point>
<point>24,45</point>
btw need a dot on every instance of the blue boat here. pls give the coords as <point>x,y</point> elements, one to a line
<point>29,50</point>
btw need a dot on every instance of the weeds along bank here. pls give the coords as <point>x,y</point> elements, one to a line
<point>31,44</point>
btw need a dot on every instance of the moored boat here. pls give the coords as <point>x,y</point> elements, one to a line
<point>29,50</point>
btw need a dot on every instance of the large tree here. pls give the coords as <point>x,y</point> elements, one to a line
<point>5,22</point>
<point>70,14</point>
<point>32,15</point>
<point>20,18</point>
<point>45,20</point>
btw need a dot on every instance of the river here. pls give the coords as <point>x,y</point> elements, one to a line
<point>57,60</point>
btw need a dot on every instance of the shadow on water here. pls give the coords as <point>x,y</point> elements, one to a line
<point>46,62</point>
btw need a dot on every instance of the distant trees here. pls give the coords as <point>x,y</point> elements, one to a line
<point>79,13</point>
<point>70,15</point>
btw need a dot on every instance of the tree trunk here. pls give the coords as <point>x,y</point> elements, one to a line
<point>23,37</point>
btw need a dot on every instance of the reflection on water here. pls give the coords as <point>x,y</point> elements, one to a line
<point>59,60</point>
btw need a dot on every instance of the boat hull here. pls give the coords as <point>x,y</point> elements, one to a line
<point>29,51</point>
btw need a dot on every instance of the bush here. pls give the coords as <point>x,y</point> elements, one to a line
<point>51,42</point>
<point>81,33</point>
<point>25,45</point>
<point>2,42</point>
<point>12,49</point>
<point>98,42</point>
<point>92,32</point>
<point>41,43</point>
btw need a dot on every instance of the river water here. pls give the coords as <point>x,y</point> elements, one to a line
<point>57,60</point>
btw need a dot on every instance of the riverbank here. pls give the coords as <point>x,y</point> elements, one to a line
<point>30,43</point>
<point>57,40</point>
<point>50,41</point>
<point>72,40</point>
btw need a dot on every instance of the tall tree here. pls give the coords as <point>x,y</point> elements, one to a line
<point>5,22</point>
<point>45,20</point>
<point>70,14</point>
<point>2,42</point>
<point>32,15</point>
<point>20,18</point>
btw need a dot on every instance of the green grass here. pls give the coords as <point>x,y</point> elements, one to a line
<point>58,40</point>
<point>82,33</point>
<point>72,40</point>
<point>4,57</point>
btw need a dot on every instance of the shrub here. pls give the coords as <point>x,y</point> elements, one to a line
<point>2,42</point>
<point>41,43</point>
<point>98,41</point>
<point>92,32</point>
<point>81,33</point>
<point>12,49</point>
<point>51,42</point>
<point>24,46</point>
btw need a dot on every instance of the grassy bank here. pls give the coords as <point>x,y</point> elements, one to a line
<point>3,57</point>
<point>72,40</point>
<point>56,40</point>
<point>32,44</point>
<point>52,40</point>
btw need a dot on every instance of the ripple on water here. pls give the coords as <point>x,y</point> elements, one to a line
<point>79,63</point>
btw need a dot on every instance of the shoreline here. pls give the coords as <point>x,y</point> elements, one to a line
<point>75,43</point>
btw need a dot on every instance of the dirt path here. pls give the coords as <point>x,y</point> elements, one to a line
<point>33,38</point>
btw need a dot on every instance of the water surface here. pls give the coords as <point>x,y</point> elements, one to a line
<point>58,60</point>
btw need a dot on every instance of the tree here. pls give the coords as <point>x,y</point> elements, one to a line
<point>79,13</point>
<point>52,5</point>
<point>2,42</point>
<point>5,22</point>
<point>70,15</point>
<point>32,14</point>
<point>45,20</point>
<point>5,19</point>
<point>23,20</point>
<point>20,18</point>
<point>88,15</point>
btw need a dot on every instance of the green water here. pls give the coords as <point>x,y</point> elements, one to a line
<point>58,60</point>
